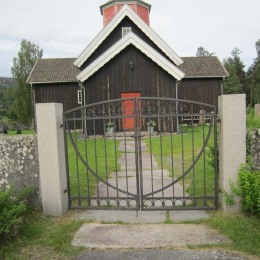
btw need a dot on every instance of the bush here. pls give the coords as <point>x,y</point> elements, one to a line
<point>249,189</point>
<point>210,152</point>
<point>251,120</point>
<point>13,209</point>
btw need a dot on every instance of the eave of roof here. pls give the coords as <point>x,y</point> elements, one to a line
<point>127,11</point>
<point>130,38</point>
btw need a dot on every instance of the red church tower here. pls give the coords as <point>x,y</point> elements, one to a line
<point>112,7</point>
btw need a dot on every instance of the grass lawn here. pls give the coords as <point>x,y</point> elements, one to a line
<point>100,154</point>
<point>43,238</point>
<point>243,231</point>
<point>24,132</point>
<point>176,153</point>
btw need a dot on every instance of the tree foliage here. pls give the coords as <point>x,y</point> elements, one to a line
<point>201,52</point>
<point>22,66</point>
<point>232,84</point>
<point>253,75</point>
<point>236,83</point>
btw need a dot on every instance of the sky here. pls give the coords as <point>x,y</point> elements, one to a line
<point>63,28</point>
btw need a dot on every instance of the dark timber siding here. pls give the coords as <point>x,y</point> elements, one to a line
<point>116,77</point>
<point>201,90</point>
<point>116,35</point>
<point>65,93</point>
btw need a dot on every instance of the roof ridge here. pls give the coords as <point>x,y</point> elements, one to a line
<point>58,58</point>
<point>212,56</point>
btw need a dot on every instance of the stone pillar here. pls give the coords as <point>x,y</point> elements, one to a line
<point>52,164</point>
<point>232,142</point>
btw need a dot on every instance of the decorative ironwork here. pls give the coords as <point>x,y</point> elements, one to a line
<point>136,169</point>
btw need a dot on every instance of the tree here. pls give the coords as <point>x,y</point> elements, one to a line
<point>257,45</point>
<point>236,83</point>
<point>253,75</point>
<point>201,52</point>
<point>232,84</point>
<point>22,66</point>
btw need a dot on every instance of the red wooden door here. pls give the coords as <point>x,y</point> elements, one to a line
<point>128,110</point>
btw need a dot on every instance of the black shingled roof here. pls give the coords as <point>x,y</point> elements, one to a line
<point>63,70</point>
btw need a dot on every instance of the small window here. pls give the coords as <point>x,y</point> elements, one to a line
<point>79,97</point>
<point>126,30</point>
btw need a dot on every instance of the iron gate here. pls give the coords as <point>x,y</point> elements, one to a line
<point>142,154</point>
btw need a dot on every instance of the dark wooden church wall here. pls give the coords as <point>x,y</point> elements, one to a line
<point>117,77</point>
<point>65,93</point>
<point>201,90</point>
<point>117,35</point>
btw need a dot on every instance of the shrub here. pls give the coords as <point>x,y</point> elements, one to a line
<point>252,121</point>
<point>13,209</point>
<point>249,189</point>
<point>210,152</point>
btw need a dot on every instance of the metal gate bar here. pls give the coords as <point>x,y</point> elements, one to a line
<point>112,170</point>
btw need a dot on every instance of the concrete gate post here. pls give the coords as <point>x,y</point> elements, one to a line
<point>52,164</point>
<point>232,143</point>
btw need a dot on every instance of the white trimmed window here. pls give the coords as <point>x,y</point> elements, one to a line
<point>79,95</point>
<point>125,31</point>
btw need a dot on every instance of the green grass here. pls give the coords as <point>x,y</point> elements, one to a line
<point>243,231</point>
<point>101,155</point>
<point>24,132</point>
<point>50,237</point>
<point>176,154</point>
<point>43,237</point>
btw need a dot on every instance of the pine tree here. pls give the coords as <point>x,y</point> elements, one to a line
<point>236,83</point>
<point>201,52</point>
<point>253,75</point>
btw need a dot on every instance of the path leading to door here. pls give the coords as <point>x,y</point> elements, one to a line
<point>152,176</point>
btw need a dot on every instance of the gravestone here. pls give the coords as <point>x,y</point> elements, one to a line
<point>202,117</point>
<point>257,110</point>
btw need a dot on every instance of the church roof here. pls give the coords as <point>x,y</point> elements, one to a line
<point>57,70</point>
<point>203,67</point>
<point>62,69</point>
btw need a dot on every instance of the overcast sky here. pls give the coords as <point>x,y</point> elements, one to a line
<point>63,28</point>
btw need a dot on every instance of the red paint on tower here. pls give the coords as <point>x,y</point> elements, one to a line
<point>110,9</point>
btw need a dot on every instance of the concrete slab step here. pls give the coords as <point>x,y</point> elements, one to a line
<point>112,236</point>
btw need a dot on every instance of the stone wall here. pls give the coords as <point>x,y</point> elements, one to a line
<point>19,163</point>
<point>255,148</point>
